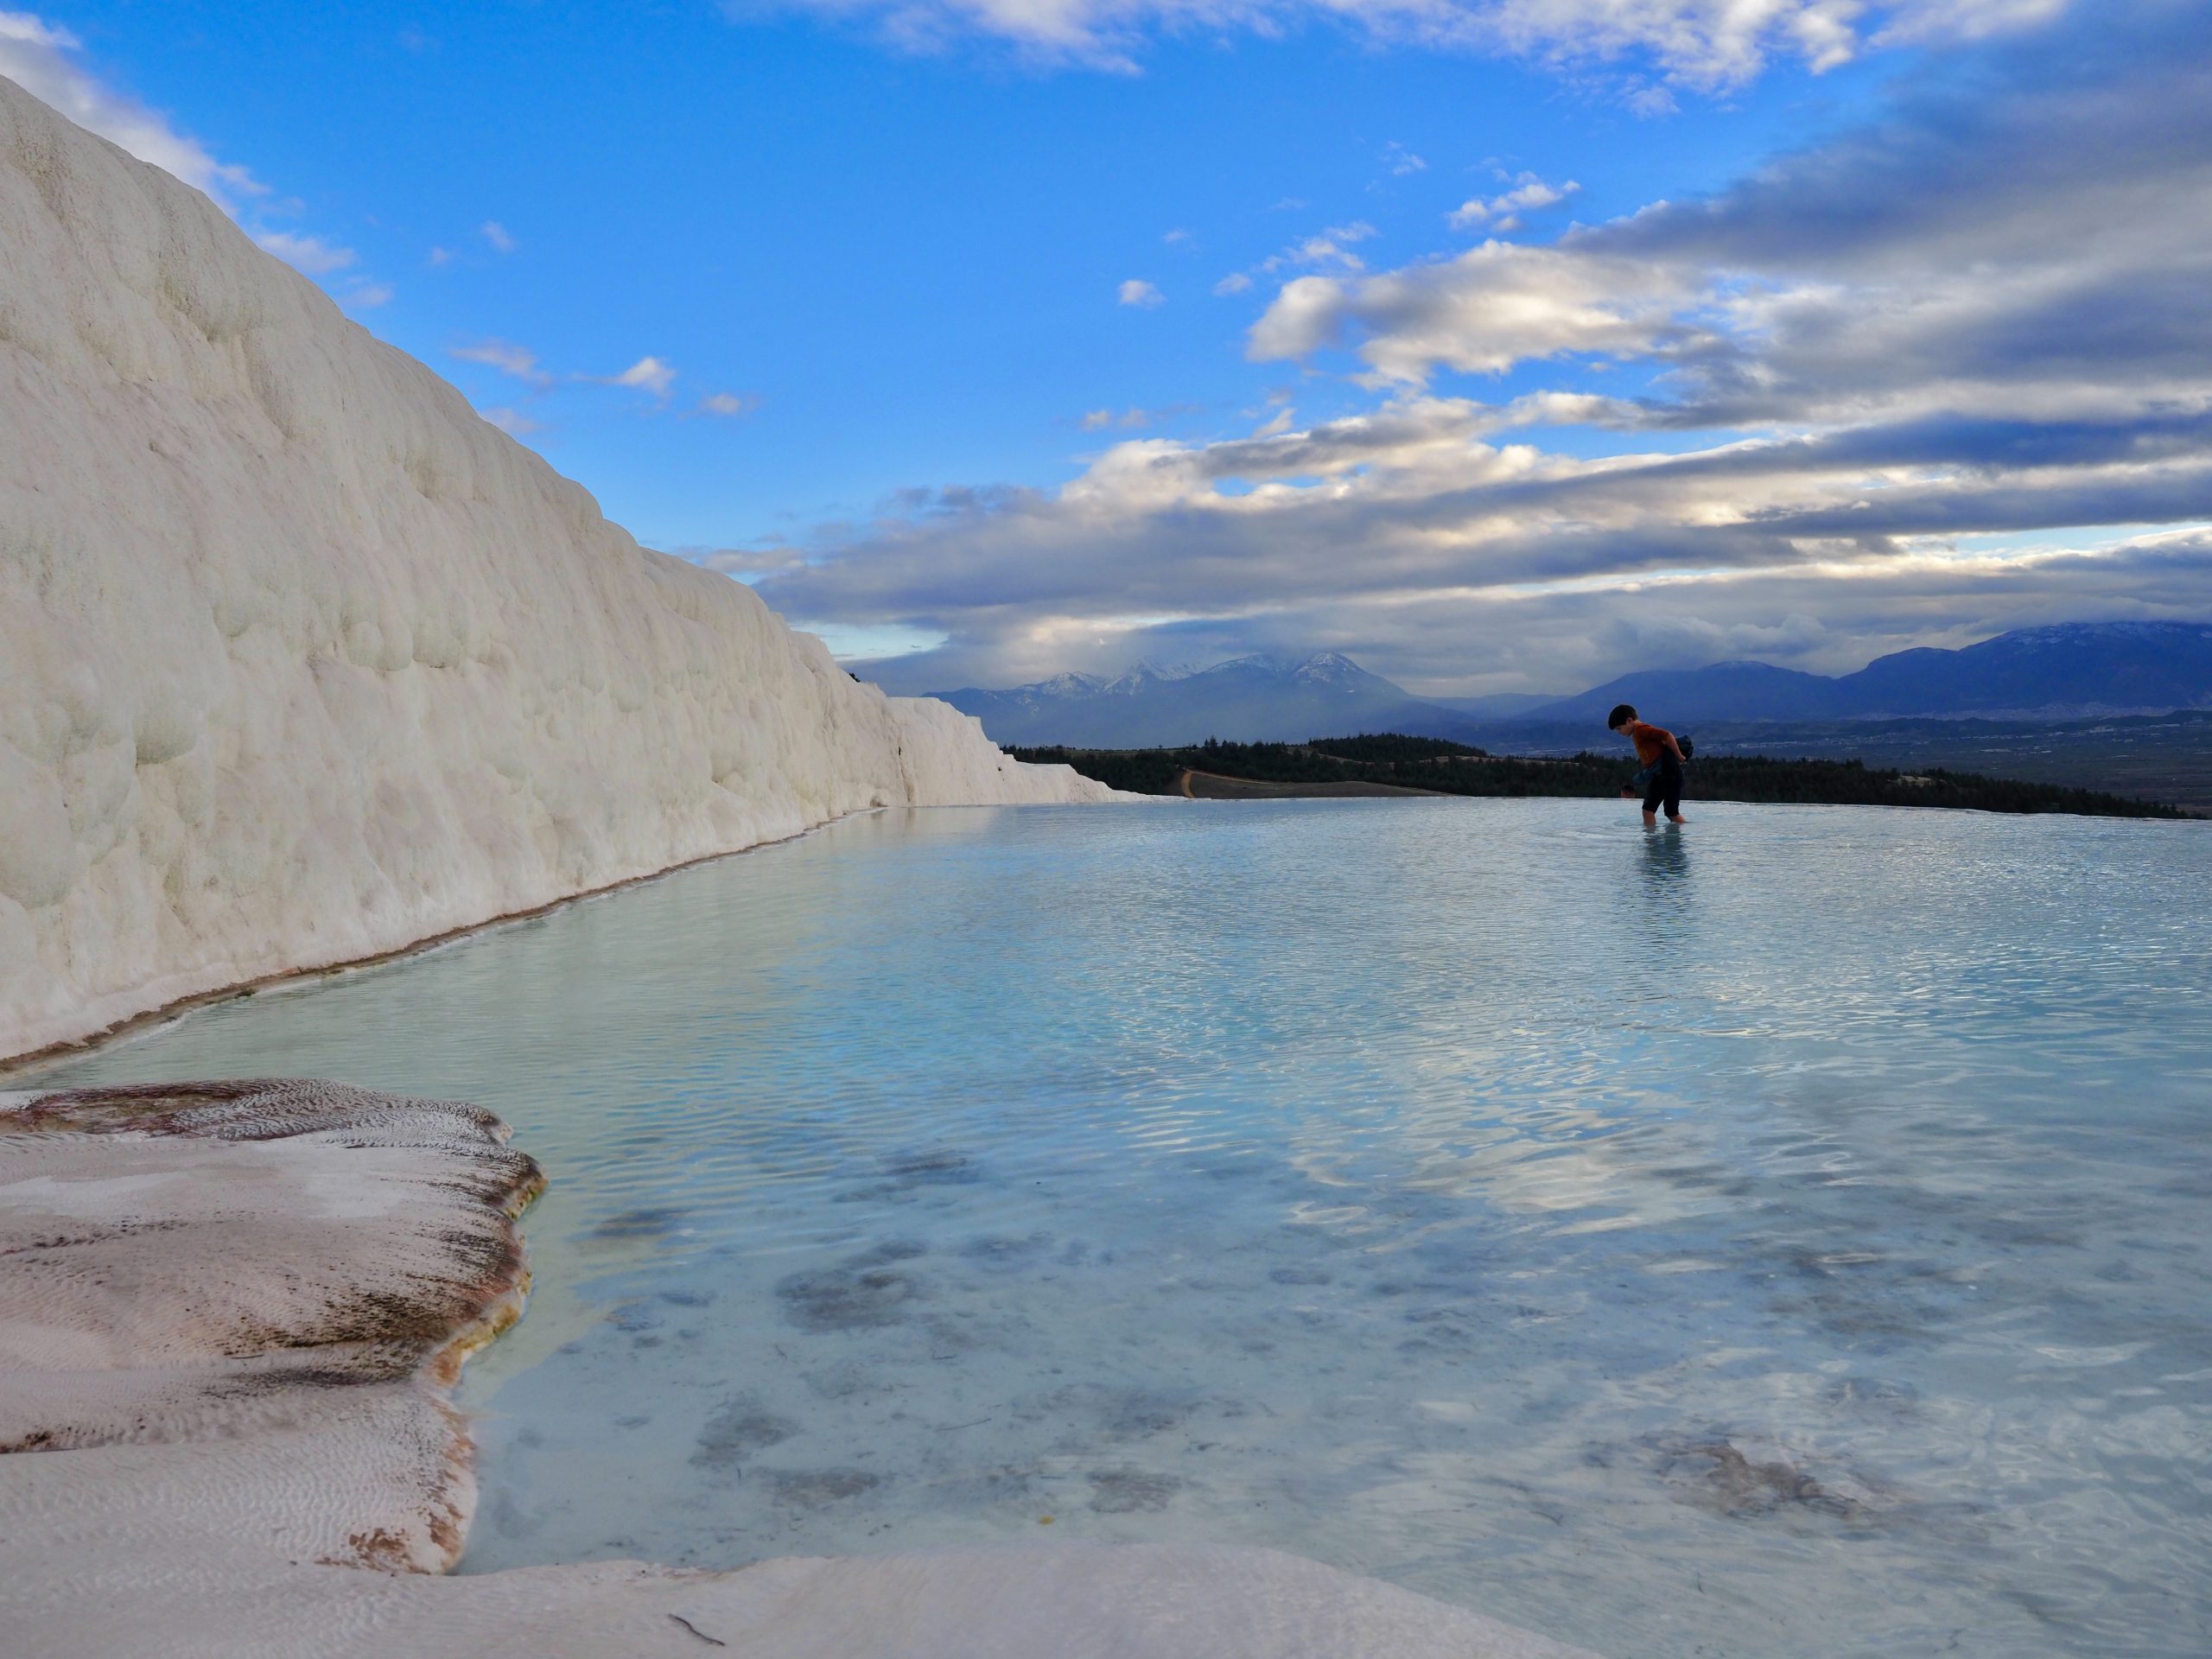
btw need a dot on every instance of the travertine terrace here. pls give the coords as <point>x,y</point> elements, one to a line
<point>301,661</point>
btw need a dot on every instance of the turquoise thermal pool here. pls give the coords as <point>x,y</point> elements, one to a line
<point>1787,1235</point>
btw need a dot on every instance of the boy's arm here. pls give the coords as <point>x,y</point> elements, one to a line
<point>1672,745</point>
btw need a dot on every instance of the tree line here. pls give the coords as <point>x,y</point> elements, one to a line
<point>1460,769</point>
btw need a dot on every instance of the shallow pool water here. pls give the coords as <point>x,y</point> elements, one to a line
<point>1785,1236</point>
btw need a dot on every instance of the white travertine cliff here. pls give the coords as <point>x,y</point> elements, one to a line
<point>302,661</point>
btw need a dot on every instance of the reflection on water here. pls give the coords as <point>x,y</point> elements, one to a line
<point>1783,1234</point>
<point>1666,860</point>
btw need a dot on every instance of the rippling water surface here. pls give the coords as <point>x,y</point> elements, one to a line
<point>1788,1236</point>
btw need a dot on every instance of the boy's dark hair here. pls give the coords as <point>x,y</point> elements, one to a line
<point>1623,712</point>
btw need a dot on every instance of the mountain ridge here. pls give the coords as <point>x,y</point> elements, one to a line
<point>2059,670</point>
<point>1258,697</point>
<point>2076,670</point>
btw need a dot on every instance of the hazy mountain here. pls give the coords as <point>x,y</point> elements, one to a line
<point>1495,705</point>
<point>2073,671</point>
<point>1250,699</point>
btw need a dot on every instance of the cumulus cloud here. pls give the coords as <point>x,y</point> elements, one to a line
<point>1131,419</point>
<point>2004,253</point>
<point>310,254</point>
<point>511,421</point>
<point>646,374</point>
<point>497,235</point>
<point>1921,381</point>
<point>1491,307</point>
<point>1326,249</point>
<point>1708,45</point>
<point>1503,211</point>
<point>729,405</point>
<point>1139,293</point>
<point>518,362</point>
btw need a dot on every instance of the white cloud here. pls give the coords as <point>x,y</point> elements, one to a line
<point>1707,45</point>
<point>1412,533</point>
<point>727,404</point>
<point>1917,21</point>
<point>1402,161</point>
<point>1131,419</point>
<point>1235,282</point>
<point>497,235</point>
<point>1139,293</point>
<point>511,421</point>
<point>41,57</point>
<point>646,374</point>
<point>440,256</point>
<point>1970,339</point>
<point>1494,306</point>
<point>1503,211</point>
<point>1329,247</point>
<point>310,254</point>
<point>506,357</point>
<point>35,54</point>
<point>1306,315</point>
<point>1177,238</point>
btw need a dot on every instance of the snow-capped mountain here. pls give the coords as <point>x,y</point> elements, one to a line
<point>1247,699</point>
<point>2070,671</point>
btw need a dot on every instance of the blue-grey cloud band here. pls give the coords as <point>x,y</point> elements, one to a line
<point>1928,353</point>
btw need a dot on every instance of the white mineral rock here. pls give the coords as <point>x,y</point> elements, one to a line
<point>302,661</point>
<point>228,1315</point>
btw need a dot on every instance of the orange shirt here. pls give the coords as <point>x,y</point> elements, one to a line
<point>1651,741</point>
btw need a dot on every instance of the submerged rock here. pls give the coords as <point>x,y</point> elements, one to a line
<point>229,1312</point>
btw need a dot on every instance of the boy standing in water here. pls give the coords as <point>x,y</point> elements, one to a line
<point>1661,758</point>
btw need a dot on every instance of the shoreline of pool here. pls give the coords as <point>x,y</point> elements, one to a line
<point>371,1243</point>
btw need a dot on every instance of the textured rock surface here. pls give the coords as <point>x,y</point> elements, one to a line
<point>237,1305</point>
<point>228,1314</point>
<point>302,661</point>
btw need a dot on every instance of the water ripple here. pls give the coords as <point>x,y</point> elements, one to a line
<point>1783,1238</point>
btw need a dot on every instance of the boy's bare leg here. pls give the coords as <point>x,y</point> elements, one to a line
<point>1650,819</point>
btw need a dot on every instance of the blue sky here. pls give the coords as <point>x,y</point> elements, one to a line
<point>863,271</point>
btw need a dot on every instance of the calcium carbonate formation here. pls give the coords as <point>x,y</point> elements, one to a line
<point>229,1315</point>
<point>299,663</point>
<point>302,661</point>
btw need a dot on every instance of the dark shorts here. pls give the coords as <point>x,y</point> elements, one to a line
<point>1662,784</point>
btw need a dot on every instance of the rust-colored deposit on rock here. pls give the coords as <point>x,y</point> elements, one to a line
<point>204,1285</point>
<point>229,1312</point>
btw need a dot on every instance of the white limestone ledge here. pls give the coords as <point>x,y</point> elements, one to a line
<point>230,1314</point>
<point>302,662</point>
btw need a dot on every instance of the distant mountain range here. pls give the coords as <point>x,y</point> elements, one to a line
<point>1250,699</point>
<point>2074,670</point>
<point>2071,671</point>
